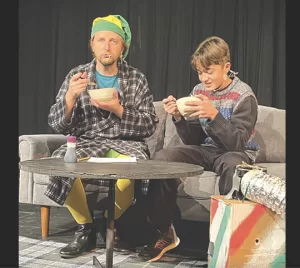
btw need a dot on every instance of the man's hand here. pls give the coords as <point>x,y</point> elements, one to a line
<point>201,108</point>
<point>113,106</point>
<point>170,107</point>
<point>78,84</point>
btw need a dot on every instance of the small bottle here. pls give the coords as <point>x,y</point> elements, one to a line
<point>70,156</point>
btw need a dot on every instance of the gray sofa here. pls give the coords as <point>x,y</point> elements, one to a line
<point>193,192</point>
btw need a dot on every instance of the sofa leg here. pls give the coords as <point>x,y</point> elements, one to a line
<point>45,213</point>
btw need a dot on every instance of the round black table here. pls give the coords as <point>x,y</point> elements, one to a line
<point>142,169</point>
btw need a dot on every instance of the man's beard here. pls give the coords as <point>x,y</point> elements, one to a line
<point>107,61</point>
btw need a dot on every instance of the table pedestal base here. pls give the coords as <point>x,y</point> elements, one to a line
<point>97,263</point>
<point>110,228</point>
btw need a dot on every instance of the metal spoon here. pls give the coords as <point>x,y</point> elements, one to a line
<point>90,83</point>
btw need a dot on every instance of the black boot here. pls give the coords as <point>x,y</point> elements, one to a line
<point>84,240</point>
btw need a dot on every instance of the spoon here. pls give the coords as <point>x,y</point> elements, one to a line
<point>90,83</point>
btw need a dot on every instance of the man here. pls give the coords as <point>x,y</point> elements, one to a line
<point>115,128</point>
<point>218,134</point>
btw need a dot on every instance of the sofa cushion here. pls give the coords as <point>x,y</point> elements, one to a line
<point>40,178</point>
<point>276,169</point>
<point>193,198</point>
<point>194,209</point>
<point>200,186</point>
<point>171,136</point>
<point>38,197</point>
<point>270,134</point>
<point>156,141</point>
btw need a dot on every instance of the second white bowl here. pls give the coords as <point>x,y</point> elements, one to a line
<point>181,104</point>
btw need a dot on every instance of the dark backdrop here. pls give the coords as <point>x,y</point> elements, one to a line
<point>54,34</point>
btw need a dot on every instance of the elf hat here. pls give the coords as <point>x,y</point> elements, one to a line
<point>116,24</point>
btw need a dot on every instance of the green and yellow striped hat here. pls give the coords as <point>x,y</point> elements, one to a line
<point>116,24</point>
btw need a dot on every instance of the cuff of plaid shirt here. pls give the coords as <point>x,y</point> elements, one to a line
<point>65,122</point>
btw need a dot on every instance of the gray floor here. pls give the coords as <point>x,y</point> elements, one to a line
<point>193,235</point>
<point>62,225</point>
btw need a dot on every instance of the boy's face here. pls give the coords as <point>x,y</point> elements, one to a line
<point>213,77</point>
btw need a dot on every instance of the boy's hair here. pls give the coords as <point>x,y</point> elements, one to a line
<point>212,51</point>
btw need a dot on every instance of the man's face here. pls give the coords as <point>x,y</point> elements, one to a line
<point>107,47</point>
<point>213,76</point>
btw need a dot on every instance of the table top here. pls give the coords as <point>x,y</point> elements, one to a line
<point>142,169</point>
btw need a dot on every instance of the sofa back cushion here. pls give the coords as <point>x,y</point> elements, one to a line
<point>156,141</point>
<point>171,136</point>
<point>270,134</point>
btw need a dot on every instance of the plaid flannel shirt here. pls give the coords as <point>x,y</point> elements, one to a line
<point>98,130</point>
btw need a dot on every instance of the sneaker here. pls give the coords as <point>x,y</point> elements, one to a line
<point>165,242</point>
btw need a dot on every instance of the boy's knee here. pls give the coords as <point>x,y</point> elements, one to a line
<point>167,154</point>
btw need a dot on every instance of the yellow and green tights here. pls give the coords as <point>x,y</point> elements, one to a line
<point>76,201</point>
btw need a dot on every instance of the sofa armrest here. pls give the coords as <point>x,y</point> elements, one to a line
<point>39,146</point>
<point>33,147</point>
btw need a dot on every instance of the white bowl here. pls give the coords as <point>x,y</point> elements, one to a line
<point>181,104</point>
<point>102,94</point>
